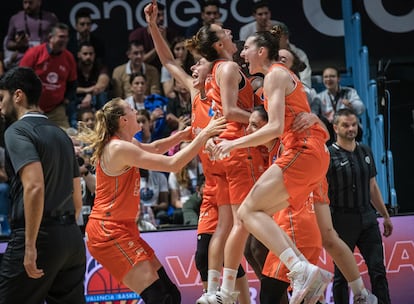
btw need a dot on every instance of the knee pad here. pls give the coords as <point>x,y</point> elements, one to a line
<point>201,255</point>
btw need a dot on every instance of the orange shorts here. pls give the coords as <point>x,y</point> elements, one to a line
<point>237,175</point>
<point>303,167</point>
<point>117,246</point>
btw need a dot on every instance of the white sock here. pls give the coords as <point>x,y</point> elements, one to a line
<point>229,279</point>
<point>358,287</point>
<point>213,281</point>
<point>289,258</point>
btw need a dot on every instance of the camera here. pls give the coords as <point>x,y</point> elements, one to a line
<point>80,160</point>
<point>21,33</point>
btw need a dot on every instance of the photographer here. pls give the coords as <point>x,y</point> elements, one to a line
<point>88,180</point>
<point>29,27</point>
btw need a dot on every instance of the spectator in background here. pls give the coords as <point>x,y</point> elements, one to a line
<point>154,194</point>
<point>284,43</point>
<point>185,59</point>
<point>142,35</point>
<point>29,27</point>
<point>183,185</point>
<point>144,120</point>
<point>88,180</point>
<point>56,67</point>
<point>93,79</point>
<point>83,34</point>
<point>336,97</point>
<point>355,197</point>
<point>191,208</point>
<point>121,76</point>
<point>155,104</point>
<point>87,118</point>
<point>262,15</point>
<point>210,13</point>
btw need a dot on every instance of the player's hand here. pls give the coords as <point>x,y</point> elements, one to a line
<point>151,11</point>
<point>214,127</point>
<point>30,257</point>
<point>304,121</point>
<point>222,149</point>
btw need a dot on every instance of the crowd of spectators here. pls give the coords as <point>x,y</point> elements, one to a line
<point>77,82</point>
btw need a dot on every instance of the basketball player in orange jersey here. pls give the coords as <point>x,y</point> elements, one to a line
<point>201,115</point>
<point>298,171</point>
<point>112,235</point>
<point>232,96</point>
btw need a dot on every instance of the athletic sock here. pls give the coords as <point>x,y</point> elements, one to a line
<point>303,258</point>
<point>289,258</point>
<point>213,281</point>
<point>358,287</point>
<point>229,279</point>
<point>155,294</point>
<point>168,285</point>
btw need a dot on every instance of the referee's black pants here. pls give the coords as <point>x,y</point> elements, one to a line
<point>362,231</point>
<point>60,253</point>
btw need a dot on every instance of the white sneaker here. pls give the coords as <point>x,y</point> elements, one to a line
<point>363,299</point>
<point>303,276</point>
<point>316,291</point>
<point>203,299</point>
<point>223,297</point>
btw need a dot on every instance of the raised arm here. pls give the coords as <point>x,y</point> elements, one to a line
<point>163,50</point>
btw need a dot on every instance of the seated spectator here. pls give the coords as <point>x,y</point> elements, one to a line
<point>210,13</point>
<point>56,67</point>
<point>144,120</point>
<point>155,104</point>
<point>336,97</point>
<point>83,34</point>
<point>262,15</point>
<point>182,185</point>
<point>29,27</point>
<point>142,34</point>
<point>87,118</point>
<point>154,194</point>
<point>191,208</point>
<point>185,59</point>
<point>93,79</point>
<point>121,75</point>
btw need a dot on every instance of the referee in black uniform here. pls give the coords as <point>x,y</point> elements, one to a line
<point>355,196</point>
<point>45,258</point>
